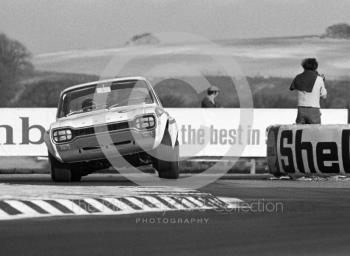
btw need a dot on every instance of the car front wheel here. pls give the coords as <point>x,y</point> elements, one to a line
<point>61,172</point>
<point>166,159</point>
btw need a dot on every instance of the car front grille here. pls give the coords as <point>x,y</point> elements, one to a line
<point>97,129</point>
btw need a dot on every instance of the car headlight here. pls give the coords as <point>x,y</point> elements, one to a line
<point>62,135</point>
<point>145,122</point>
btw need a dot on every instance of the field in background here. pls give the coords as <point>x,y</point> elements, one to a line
<point>181,73</point>
<point>277,57</point>
<point>269,65</point>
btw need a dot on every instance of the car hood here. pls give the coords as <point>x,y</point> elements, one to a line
<point>104,116</point>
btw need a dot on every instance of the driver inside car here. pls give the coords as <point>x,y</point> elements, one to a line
<point>88,105</point>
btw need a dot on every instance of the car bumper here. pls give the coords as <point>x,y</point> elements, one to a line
<point>99,146</point>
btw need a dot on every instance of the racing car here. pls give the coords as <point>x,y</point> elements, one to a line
<point>127,111</point>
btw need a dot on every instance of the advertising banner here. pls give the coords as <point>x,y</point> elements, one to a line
<point>296,149</point>
<point>224,129</point>
<point>22,130</point>
<point>202,132</point>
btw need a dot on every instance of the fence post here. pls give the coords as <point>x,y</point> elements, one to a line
<point>252,166</point>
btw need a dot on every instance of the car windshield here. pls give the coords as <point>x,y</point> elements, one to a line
<point>116,94</point>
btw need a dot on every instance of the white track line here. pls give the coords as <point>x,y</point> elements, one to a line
<point>4,215</point>
<point>99,206</point>
<point>230,199</point>
<point>158,203</point>
<point>72,206</point>
<point>187,203</point>
<point>120,204</point>
<point>140,203</point>
<point>195,201</point>
<point>47,207</point>
<point>22,207</point>
<point>173,202</point>
<point>124,205</point>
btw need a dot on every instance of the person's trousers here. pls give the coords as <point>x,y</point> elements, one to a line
<point>308,115</point>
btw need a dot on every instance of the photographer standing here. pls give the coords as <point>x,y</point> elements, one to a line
<point>310,87</point>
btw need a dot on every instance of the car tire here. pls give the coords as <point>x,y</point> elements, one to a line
<point>168,168</point>
<point>75,174</point>
<point>61,172</point>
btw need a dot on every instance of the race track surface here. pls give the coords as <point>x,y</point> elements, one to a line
<point>275,218</point>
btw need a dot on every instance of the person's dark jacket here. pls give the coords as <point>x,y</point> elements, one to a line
<point>304,81</point>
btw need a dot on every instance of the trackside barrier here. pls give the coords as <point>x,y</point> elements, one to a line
<point>308,149</point>
<point>202,132</point>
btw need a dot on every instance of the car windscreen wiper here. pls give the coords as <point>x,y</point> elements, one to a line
<point>74,112</point>
<point>113,105</point>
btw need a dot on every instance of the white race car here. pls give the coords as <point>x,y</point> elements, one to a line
<point>123,113</point>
